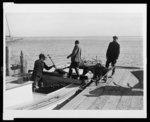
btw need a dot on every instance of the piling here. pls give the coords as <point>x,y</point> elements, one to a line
<point>21,67</point>
<point>21,63</point>
<point>7,61</point>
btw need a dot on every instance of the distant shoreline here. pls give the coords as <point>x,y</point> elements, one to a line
<point>66,36</point>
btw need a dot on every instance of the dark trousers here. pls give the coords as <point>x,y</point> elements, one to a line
<point>38,81</point>
<point>113,62</point>
<point>74,65</point>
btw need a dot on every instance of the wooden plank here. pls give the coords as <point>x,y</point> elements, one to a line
<point>93,94</point>
<point>136,103</point>
<point>137,99</point>
<point>58,102</point>
<point>90,99</point>
<point>117,91</point>
<point>82,101</point>
<point>113,100</point>
<point>125,102</point>
<point>76,101</point>
<point>126,97</point>
<point>49,102</point>
<point>102,100</point>
<point>133,97</point>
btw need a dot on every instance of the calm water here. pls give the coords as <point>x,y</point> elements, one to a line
<point>131,49</point>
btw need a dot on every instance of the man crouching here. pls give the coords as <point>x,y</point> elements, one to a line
<point>97,69</point>
<point>39,65</point>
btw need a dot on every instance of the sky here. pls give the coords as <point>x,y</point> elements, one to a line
<point>75,20</point>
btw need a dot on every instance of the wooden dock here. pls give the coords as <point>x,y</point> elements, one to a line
<point>124,91</point>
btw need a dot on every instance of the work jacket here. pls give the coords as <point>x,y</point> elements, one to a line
<point>76,54</point>
<point>38,69</point>
<point>113,51</point>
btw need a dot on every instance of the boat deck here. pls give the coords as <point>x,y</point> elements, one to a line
<point>124,91</point>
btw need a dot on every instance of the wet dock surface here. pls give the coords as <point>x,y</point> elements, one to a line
<point>124,91</point>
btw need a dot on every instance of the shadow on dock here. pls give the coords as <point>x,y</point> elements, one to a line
<point>117,90</point>
<point>139,75</point>
<point>127,67</point>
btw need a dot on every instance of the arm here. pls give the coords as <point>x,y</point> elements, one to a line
<point>73,52</point>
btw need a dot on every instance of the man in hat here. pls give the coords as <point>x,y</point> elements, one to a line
<point>39,65</point>
<point>75,59</point>
<point>112,54</point>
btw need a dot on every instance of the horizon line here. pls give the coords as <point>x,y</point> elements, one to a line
<point>82,36</point>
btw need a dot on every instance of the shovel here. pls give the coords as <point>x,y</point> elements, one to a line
<point>60,71</point>
<point>52,61</point>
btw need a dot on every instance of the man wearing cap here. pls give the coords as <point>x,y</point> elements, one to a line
<point>39,65</point>
<point>112,54</point>
<point>75,59</point>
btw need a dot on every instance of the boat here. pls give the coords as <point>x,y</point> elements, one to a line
<point>9,38</point>
<point>57,88</point>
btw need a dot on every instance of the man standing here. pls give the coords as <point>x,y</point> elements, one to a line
<point>39,65</point>
<point>75,59</point>
<point>112,54</point>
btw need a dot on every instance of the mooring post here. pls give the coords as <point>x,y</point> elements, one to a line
<point>96,59</point>
<point>7,61</point>
<point>25,65</point>
<point>21,63</point>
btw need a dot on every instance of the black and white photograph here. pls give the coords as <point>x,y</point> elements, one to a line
<point>74,60</point>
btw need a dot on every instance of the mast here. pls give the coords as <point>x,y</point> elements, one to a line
<point>8,28</point>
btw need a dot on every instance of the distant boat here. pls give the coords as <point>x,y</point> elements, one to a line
<point>12,39</point>
<point>9,37</point>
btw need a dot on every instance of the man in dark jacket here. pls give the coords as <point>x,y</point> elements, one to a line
<point>112,54</point>
<point>39,65</point>
<point>75,59</point>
